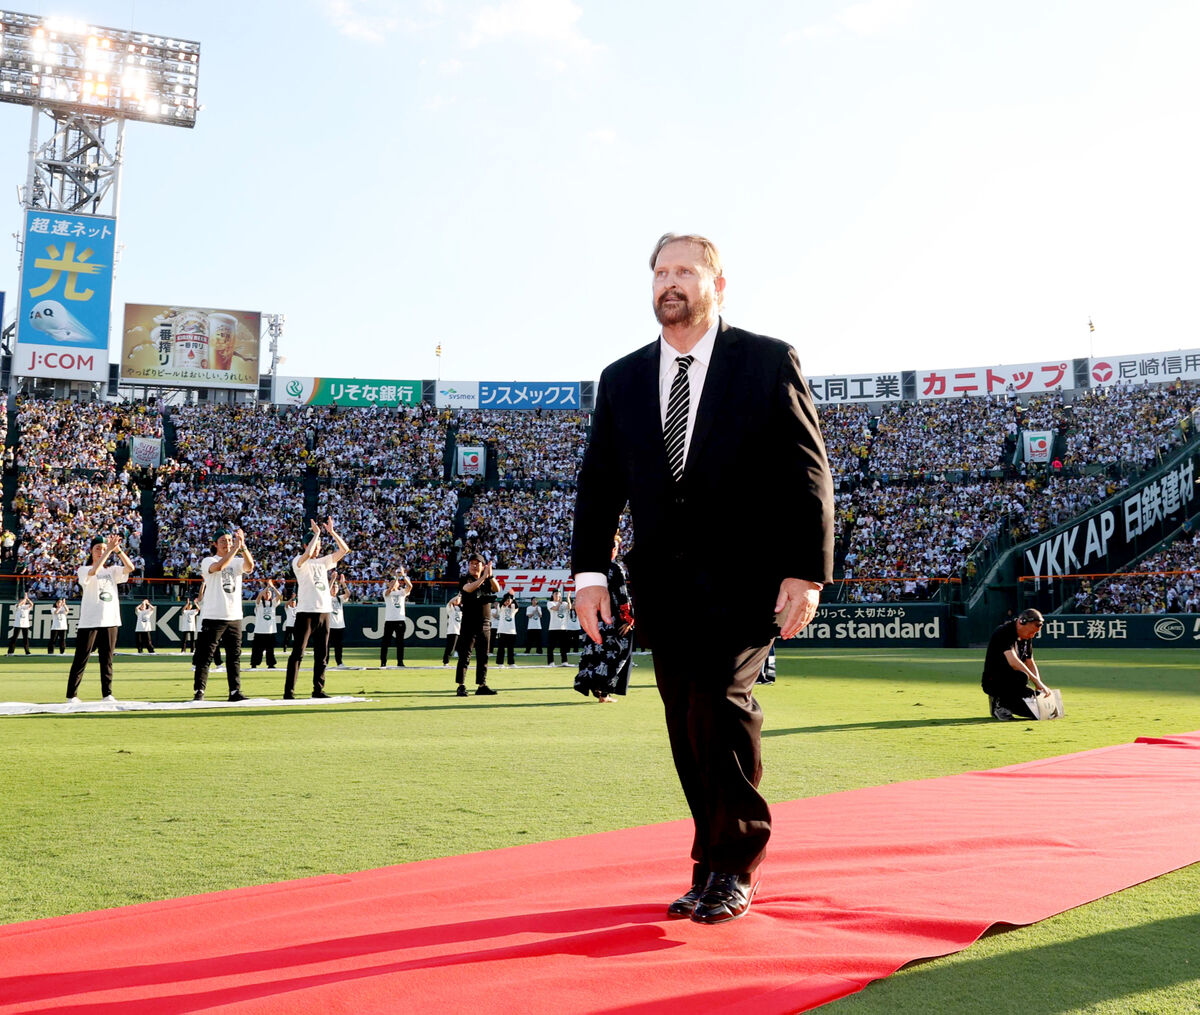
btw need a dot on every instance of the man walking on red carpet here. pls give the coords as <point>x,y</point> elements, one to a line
<point>711,435</point>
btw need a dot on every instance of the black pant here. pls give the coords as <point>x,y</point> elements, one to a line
<point>451,641</point>
<point>315,626</point>
<point>187,641</point>
<point>104,641</point>
<point>216,635</point>
<point>476,641</point>
<point>337,635</point>
<point>714,726</point>
<point>287,636</point>
<point>144,642</point>
<point>533,639</point>
<point>392,629</point>
<point>23,633</point>
<point>58,638</point>
<point>556,640</point>
<point>505,642</point>
<point>263,644</point>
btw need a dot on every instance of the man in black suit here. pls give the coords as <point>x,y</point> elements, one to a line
<point>711,435</point>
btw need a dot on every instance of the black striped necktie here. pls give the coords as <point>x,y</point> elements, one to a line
<point>678,404</point>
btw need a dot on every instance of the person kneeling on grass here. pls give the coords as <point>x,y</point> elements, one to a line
<point>1009,668</point>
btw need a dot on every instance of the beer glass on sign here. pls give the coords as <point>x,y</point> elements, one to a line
<point>222,330</point>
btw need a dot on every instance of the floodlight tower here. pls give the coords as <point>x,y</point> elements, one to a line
<point>83,82</point>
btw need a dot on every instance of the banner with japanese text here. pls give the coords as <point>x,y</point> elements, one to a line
<point>66,295</point>
<point>472,461</point>
<point>1155,367</point>
<point>1137,630</point>
<point>1037,445</point>
<point>190,347</point>
<point>876,625</point>
<point>347,392</point>
<point>529,395</point>
<point>534,584</point>
<point>145,451</point>
<point>856,388</point>
<point>1014,379</point>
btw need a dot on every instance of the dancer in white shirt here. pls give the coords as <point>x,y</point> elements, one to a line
<point>313,607</point>
<point>99,614</point>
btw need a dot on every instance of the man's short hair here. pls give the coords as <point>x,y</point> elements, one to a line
<point>711,254</point>
<point>1030,617</point>
<point>477,556</point>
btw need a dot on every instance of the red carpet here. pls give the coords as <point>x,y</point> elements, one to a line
<point>856,885</point>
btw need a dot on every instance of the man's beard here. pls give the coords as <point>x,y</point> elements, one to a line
<point>685,312</point>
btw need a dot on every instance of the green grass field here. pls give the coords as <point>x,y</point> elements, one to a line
<point>105,810</point>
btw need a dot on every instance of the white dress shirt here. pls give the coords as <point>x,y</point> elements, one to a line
<point>702,353</point>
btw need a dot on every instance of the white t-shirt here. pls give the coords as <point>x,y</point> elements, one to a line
<point>337,620</point>
<point>145,619</point>
<point>289,616</point>
<point>453,619</point>
<point>24,617</point>
<point>393,604</point>
<point>58,619</point>
<point>222,589</point>
<point>558,615</point>
<point>508,620</point>
<point>265,619</point>
<point>534,613</point>
<point>312,583</point>
<point>100,606</point>
<point>572,620</point>
<point>188,624</point>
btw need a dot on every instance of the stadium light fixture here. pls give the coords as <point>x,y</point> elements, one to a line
<point>73,67</point>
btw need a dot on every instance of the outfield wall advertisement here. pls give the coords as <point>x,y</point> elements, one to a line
<point>521,395</point>
<point>879,625</point>
<point>190,347</point>
<point>65,296</point>
<point>347,392</point>
<point>1135,630</point>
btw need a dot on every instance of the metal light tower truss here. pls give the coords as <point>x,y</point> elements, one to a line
<point>75,169</point>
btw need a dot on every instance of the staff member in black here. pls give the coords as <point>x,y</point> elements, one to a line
<point>1008,667</point>
<point>477,590</point>
<point>711,435</point>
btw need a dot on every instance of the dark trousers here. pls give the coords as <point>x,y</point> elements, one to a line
<point>187,641</point>
<point>714,726</point>
<point>287,636</point>
<point>473,641</point>
<point>104,641</point>
<point>215,635</point>
<point>392,629</point>
<point>556,640</point>
<point>505,643</point>
<point>23,634</point>
<point>1015,702</point>
<point>58,638</point>
<point>316,627</point>
<point>144,642</point>
<point>337,635</point>
<point>451,641</point>
<point>533,639</point>
<point>263,644</point>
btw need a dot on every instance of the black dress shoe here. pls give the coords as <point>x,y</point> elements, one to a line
<point>462,691</point>
<point>198,696</point>
<point>288,696</point>
<point>237,696</point>
<point>725,898</point>
<point>682,907</point>
<point>319,694</point>
<point>484,689</point>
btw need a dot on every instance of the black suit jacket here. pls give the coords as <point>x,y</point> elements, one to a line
<point>754,505</point>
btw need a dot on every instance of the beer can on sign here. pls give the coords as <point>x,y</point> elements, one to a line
<point>191,340</point>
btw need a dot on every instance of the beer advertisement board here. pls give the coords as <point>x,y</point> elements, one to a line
<point>190,347</point>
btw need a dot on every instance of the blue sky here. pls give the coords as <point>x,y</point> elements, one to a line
<point>893,183</point>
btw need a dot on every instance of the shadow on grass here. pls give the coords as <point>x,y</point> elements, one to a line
<point>881,724</point>
<point>214,713</point>
<point>1065,977</point>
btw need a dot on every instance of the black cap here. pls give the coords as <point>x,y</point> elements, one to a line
<point>477,556</point>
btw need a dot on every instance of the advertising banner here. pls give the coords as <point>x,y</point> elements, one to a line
<point>1016,379</point>
<point>457,395</point>
<point>528,584</point>
<point>1135,630</point>
<point>145,451</point>
<point>529,395</point>
<point>881,625</point>
<point>66,292</point>
<point>472,461</point>
<point>1037,444</point>
<point>190,347</point>
<point>1109,538</point>
<point>1182,364</point>
<point>856,388</point>
<point>346,392</point>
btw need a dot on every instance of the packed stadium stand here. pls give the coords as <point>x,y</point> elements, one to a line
<point>924,488</point>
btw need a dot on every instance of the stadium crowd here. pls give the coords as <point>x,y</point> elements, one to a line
<point>242,440</point>
<point>521,528</point>
<point>1129,424</point>
<point>391,443</point>
<point>530,446</point>
<point>1177,591</point>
